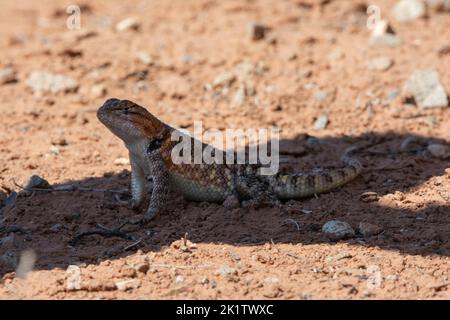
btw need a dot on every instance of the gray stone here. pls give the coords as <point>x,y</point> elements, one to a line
<point>37,182</point>
<point>407,10</point>
<point>42,81</point>
<point>439,150</point>
<point>427,89</point>
<point>321,122</point>
<point>337,230</point>
<point>380,63</point>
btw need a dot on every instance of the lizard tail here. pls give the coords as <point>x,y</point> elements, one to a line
<point>300,185</point>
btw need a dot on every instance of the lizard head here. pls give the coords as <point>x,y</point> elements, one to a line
<point>128,120</point>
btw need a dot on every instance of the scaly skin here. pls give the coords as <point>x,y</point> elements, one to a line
<point>149,143</point>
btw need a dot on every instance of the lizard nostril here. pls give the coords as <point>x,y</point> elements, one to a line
<point>110,103</point>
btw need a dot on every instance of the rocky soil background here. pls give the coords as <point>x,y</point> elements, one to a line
<point>328,73</point>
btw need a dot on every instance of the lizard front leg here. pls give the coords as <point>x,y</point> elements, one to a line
<point>137,184</point>
<point>251,185</point>
<point>161,189</point>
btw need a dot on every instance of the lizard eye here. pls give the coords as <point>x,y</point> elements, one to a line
<point>125,110</point>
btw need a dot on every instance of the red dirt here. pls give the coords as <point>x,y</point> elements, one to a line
<point>192,42</point>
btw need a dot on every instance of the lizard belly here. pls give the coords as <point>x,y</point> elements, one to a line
<point>196,191</point>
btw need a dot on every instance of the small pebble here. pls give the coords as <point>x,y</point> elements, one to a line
<point>257,31</point>
<point>321,122</point>
<point>380,63</point>
<point>37,182</point>
<point>7,75</point>
<point>369,229</point>
<point>128,24</point>
<point>122,161</point>
<point>144,58</point>
<point>127,285</point>
<point>337,230</point>
<point>439,150</point>
<point>369,196</point>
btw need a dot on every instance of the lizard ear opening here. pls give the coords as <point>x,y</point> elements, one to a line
<point>154,144</point>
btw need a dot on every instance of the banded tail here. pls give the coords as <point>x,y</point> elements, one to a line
<point>291,186</point>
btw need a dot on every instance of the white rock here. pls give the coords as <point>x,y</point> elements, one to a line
<point>338,230</point>
<point>380,63</point>
<point>427,89</point>
<point>439,150</point>
<point>42,81</point>
<point>128,24</point>
<point>321,122</point>
<point>127,285</point>
<point>407,10</point>
<point>122,161</point>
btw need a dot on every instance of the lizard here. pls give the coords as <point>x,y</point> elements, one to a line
<point>149,144</point>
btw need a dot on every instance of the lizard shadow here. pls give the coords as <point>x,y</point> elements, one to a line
<point>412,209</point>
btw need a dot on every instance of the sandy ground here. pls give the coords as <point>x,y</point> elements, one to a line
<point>312,46</point>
